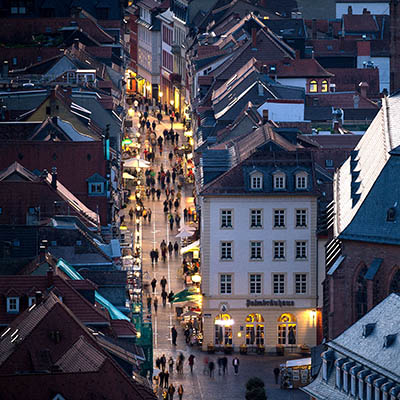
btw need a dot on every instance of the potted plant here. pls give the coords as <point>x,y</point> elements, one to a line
<point>260,349</point>
<point>243,348</point>
<point>255,389</point>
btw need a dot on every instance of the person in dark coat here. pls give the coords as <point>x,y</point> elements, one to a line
<point>211,367</point>
<point>224,364</point>
<point>153,125</point>
<point>176,246</point>
<point>166,378</point>
<point>191,362</point>
<point>171,295</point>
<point>174,335</point>
<point>235,363</point>
<point>276,374</point>
<point>153,284</point>
<point>163,282</point>
<point>164,296</point>
<point>171,391</point>
<point>161,376</point>
<point>155,304</point>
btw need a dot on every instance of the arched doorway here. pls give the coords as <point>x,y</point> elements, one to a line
<point>287,329</point>
<point>223,329</point>
<point>255,329</point>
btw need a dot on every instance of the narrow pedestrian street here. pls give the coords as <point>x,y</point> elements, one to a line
<point>197,385</point>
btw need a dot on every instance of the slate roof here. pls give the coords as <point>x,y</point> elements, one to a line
<point>366,184</point>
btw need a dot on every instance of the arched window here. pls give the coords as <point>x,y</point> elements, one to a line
<point>223,329</point>
<point>287,329</point>
<point>255,329</point>
<point>313,86</point>
<point>361,294</point>
<point>324,86</point>
<point>395,283</point>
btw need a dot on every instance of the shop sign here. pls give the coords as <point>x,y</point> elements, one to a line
<point>270,303</point>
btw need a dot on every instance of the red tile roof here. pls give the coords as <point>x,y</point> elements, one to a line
<point>364,23</point>
<point>123,329</point>
<point>340,100</point>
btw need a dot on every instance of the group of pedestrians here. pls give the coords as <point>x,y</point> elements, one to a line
<point>209,366</point>
<point>164,294</point>
<point>162,379</point>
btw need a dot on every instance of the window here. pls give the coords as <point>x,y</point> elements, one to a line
<point>255,283</point>
<point>279,283</point>
<point>279,250</point>
<point>256,250</point>
<point>329,163</point>
<point>361,294</point>
<point>301,181</point>
<point>12,304</point>
<point>301,218</point>
<point>226,250</point>
<point>313,86</point>
<point>256,218</point>
<point>223,329</point>
<point>226,218</point>
<point>301,283</point>
<point>256,182</point>
<point>286,329</point>
<point>324,86</point>
<point>279,181</point>
<point>31,301</point>
<point>225,284</point>
<point>279,218</point>
<point>255,329</point>
<point>96,188</point>
<point>301,250</point>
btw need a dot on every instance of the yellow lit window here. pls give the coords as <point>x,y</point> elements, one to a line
<point>324,86</point>
<point>313,86</point>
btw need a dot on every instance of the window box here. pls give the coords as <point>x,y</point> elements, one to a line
<point>260,349</point>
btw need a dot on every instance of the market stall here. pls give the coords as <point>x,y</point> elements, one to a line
<point>295,373</point>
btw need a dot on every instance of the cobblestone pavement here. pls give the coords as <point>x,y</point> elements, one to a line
<point>196,385</point>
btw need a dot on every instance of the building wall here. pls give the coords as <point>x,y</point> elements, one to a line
<point>342,285</point>
<point>383,65</point>
<point>299,82</point>
<point>241,266</point>
<point>283,112</point>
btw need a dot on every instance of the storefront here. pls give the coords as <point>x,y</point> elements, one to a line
<point>275,325</point>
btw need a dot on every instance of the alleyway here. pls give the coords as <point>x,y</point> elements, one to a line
<point>196,385</point>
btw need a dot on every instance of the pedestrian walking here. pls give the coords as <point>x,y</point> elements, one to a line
<point>176,246</point>
<point>171,295</point>
<point>211,367</point>
<point>149,214</point>
<point>153,125</point>
<point>176,137</point>
<point>220,365</point>
<point>191,362</point>
<point>171,391</point>
<point>174,335</point>
<point>170,248</point>
<point>163,361</point>
<point>235,363</point>
<point>185,214</point>
<point>224,364</point>
<point>205,365</point>
<point>149,304</point>
<point>131,213</point>
<point>156,255</point>
<point>164,254</point>
<point>155,304</point>
<point>164,298</point>
<point>180,392</point>
<point>158,362</point>
<point>163,283</point>
<point>166,379</point>
<point>161,376</point>
<point>186,332</point>
<point>276,374</point>
<point>171,365</point>
<point>170,156</point>
<point>177,220</point>
<point>152,256</point>
<point>181,359</point>
<point>153,284</point>
<point>158,192</point>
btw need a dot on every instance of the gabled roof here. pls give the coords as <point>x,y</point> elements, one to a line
<point>373,167</point>
<point>341,100</point>
<point>364,23</point>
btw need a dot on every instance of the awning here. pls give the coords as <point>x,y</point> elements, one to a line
<point>195,246</point>
<point>190,294</point>
<point>136,163</point>
<point>125,175</point>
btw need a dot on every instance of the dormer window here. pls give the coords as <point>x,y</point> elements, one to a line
<point>279,181</point>
<point>324,86</point>
<point>96,185</point>
<point>256,181</point>
<point>313,86</point>
<point>13,305</point>
<point>301,181</point>
<point>391,215</point>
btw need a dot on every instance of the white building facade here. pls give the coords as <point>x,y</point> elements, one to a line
<point>259,263</point>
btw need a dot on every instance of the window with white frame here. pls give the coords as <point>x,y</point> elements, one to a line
<point>279,250</point>
<point>279,283</point>
<point>225,284</point>
<point>301,218</point>
<point>279,218</point>
<point>301,250</point>
<point>279,181</point>
<point>226,250</point>
<point>301,180</point>
<point>301,283</point>
<point>12,304</point>
<point>226,218</point>
<point>256,250</point>
<point>255,283</point>
<point>256,181</point>
<point>256,218</point>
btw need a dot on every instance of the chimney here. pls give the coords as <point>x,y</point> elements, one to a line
<point>5,69</point>
<point>366,12</point>
<point>265,116</point>
<point>42,254</point>
<point>350,10</point>
<point>356,100</point>
<point>54,178</point>
<point>38,297</point>
<point>336,125</point>
<point>363,89</point>
<point>314,28</point>
<point>50,277</point>
<point>254,37</point>
<point>363,48</point>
